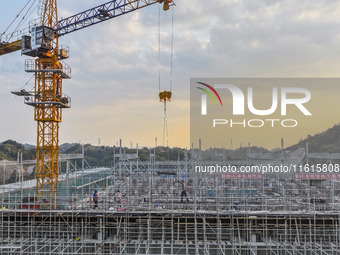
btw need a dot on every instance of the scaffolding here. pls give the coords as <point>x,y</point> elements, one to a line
<point>140,210</point>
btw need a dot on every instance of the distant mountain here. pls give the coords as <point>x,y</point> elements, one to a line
<point>29,146</point>
<point>65,146</point>
<point>9,150</point>
<point>326,141</point>
<point>94,155</point>
<point>239,153</point>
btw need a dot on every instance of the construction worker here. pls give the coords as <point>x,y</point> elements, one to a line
<point>118,197</point>
<point>184,191</point>
<point>95,198</point>
<point>235,206</point>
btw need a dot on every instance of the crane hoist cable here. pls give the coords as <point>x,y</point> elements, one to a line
<point>172,45</point>
<point>29,15</point>
<point>17,16</point>
<point>165,95</point>
<point>23,18</point>
<point>28,81</point>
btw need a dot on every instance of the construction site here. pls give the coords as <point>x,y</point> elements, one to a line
<point>134,206</point>
<point>140,209</point>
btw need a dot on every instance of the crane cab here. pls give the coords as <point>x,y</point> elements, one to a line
<point>39,42</point>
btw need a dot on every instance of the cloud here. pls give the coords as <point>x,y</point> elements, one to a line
<point>115,64</point>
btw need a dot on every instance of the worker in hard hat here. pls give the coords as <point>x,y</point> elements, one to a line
<point>235,206</point>
<point>184,191</point>
<point>95,199</point>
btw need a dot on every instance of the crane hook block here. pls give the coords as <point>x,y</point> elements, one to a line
<point>165,96</point>
<point>166,4</point>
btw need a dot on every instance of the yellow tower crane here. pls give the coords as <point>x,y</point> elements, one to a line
<point>47,98</point>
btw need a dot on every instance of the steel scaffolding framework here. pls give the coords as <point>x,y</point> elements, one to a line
<point>274,214</point>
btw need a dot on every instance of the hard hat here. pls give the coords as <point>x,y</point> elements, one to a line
<point>95,190</point>
<point>118,190</point>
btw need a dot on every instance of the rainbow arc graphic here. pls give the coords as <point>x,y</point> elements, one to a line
<point>204,98</point>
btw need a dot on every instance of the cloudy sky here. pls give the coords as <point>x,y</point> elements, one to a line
<point>115,67</point>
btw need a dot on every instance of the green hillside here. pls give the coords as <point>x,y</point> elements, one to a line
<point>94,155</point>
<point>9,151</point>
<point>326,141</point>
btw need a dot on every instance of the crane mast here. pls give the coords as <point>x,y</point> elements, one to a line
<point>48,103</point>
<point>47,97</point>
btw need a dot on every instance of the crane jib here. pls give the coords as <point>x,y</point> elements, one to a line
<point>84,19</point>
<point>100,13</point>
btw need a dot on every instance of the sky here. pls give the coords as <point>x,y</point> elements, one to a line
<point>115,64</point>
